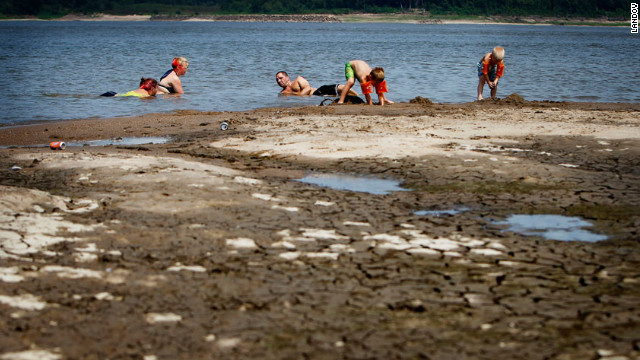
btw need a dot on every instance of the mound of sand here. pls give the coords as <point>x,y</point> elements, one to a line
<point>420,100</point>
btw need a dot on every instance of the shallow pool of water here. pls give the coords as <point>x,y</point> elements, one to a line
<point>454,211</point>
<point>552,227</point>
<point>366,184</point>
<point>126,141</point>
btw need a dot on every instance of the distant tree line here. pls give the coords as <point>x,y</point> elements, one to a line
<point>53,8</point>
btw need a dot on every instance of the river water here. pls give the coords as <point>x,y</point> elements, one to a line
<point>56,70</point>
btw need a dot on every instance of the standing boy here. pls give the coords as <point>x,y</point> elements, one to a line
<point>490,70</point>
<point>368,79</point>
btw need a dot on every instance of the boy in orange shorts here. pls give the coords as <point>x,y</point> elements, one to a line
<point>368,79</point>
<point>490,70</point>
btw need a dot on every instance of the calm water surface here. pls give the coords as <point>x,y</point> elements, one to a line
<point>55,70</point>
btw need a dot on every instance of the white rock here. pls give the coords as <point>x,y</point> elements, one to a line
<point>72,273</point>
<point>286,208</point>
<point>84,257</point>
<point>193,268</point>
<point>242,243</point>
<point>386,238</point>
<point>246,181</point>
<point>436,244</point>
<point>31,355</point>
<point>452,254</point>
<point>394,246</point>
<point>355,223</point>
<point>25,302</point>
<point>423,252</point>
<point>283,244</point>
<point>265,197</point>
<point>155,318</point>
<point>290,255</point>
<point>104,296</point>
<point>228,343</point>
<point>486,252</point>
<point>323,234</point>
<point>324,203</point>
<point>496,245</point>
<point>342,248</point>
<point>322,255</point>
<point>10,274</point>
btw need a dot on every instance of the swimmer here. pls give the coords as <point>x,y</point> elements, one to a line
<point>368,79</point>
<point>148,88</point>
<point>170,82</point>
<point>300,86</point>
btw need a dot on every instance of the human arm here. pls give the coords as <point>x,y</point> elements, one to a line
<point>177,85</point>
<point>381,89</point>
<point>301,86</point>
<point>369,99</point>
<point>382,99</point>
<point>499,73</point>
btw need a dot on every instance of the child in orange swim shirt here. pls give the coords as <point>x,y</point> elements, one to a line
<point>368,79</point>
<point>490,70</point>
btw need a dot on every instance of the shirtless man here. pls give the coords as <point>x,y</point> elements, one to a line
<point>300,86</point>
<point>368,79</point>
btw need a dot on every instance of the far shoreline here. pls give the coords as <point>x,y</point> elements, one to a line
<point>408,18</point>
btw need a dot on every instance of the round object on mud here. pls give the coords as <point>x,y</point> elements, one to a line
<point>224,126</point>
<point>57,145</point>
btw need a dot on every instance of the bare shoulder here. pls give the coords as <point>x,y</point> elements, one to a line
<point>300,79</point>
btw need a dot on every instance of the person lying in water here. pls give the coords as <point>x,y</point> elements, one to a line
<point>300,86</point>
<point>148,88</point>
<point>170,82</point>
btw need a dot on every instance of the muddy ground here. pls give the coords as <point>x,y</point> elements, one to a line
<point>208,248</point>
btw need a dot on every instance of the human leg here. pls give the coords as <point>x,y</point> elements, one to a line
<point>481,79</point>
<point>349,75</point>
<point>480,87</point>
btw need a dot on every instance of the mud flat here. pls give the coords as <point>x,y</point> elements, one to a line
<point>210,246</point>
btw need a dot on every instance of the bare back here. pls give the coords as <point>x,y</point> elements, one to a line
<point>360,70</point>
<point>300,86</point>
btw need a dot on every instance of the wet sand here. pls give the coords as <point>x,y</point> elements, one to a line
<point>207,247</point>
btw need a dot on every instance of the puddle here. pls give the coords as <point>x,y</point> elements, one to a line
<point>552,227</point>
<point>441,212</point>
<point>365,184</point>
<point>126,141</point>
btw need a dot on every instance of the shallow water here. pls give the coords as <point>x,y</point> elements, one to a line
<point>365,184</point>
<point>124,141</point>
<point>441,212</point>
<point>56,70</point>
<point>552,227</point>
